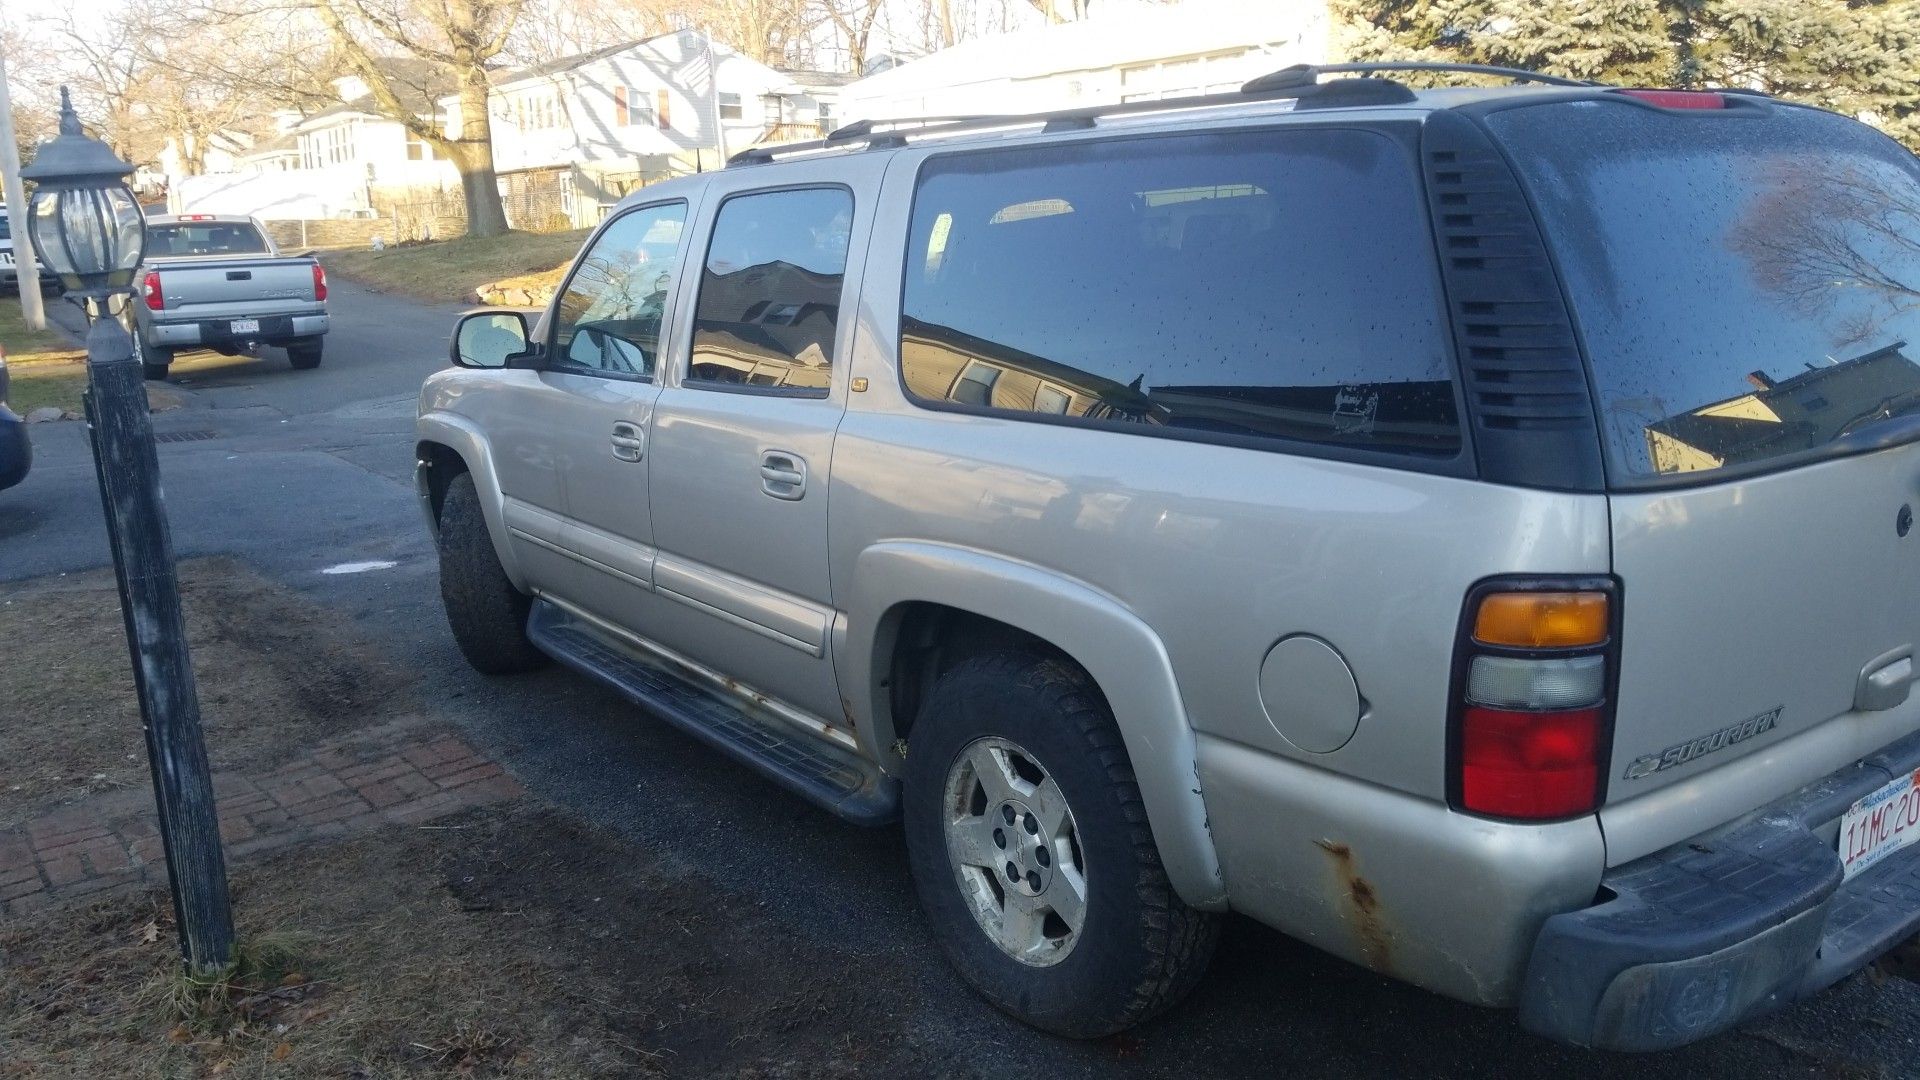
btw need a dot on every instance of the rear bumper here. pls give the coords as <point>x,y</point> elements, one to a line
<point>1725,928</point>
<point>274,330</point>
<point>16,452</point>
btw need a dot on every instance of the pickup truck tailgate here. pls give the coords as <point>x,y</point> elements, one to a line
<point>229,288</point>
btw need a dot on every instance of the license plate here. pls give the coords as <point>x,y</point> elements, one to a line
<point>1880,824</point>
<point>244,326</point>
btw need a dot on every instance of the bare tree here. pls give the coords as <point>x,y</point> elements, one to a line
<point>455,41</point>
<point>854,20</point>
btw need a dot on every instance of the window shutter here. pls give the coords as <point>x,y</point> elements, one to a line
<point>620,106</point>
<point>666,124</point>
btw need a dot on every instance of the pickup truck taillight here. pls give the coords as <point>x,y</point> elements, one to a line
<point>150,290</point>
<point>1534,679</point>
<point>319,282</point>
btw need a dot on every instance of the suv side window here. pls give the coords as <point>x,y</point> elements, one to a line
<point>608,322</point>
<point>770,292</point>
<point>1237,286</point>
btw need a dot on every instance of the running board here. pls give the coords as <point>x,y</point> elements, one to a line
<point>808,766</point>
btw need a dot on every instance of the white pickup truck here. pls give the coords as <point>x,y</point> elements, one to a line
<point>217,282</point>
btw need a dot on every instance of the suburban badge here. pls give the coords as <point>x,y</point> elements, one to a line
<point>1681,753</point>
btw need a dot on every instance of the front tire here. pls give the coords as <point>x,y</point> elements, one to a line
<point>487,614</point>
<point>1032,854</point>
<point>304,356</point>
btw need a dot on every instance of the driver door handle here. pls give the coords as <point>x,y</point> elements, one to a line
<point>783,474</point>
<point>629,441</point>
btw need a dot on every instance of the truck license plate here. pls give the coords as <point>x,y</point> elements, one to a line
<point>244,326</point>
<point>1880,824</point>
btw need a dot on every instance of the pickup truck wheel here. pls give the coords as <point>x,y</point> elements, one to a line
<point>1032,854</point>
<point>487,614</point>
<point>154,362</point>
<point>303,356</point>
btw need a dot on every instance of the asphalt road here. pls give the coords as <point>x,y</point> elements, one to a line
<point>301,471</point>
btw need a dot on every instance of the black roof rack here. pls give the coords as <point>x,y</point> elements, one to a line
<point>884,134</point>
<point>1300,82</point>
<point>1308,74</point>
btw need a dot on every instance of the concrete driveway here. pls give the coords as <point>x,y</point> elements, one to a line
<point>302,472</point>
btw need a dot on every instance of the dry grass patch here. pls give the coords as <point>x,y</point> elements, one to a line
<point>277,675</point>
<point>448,271</point>
<point>44,366</point>
<point>358,961</point>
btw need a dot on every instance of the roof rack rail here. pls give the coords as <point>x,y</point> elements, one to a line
<point>1309,74</point>
<point>886,134</point>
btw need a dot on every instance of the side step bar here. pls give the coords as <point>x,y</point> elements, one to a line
<point>810,767</point>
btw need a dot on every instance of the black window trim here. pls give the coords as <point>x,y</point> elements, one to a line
<point>686,379</point>
<point>556,361</point>
<point>1403,133</point>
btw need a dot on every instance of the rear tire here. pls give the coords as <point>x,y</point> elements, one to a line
<point>154,361</point>
<point>1039,728</point>
<point>487,614</point>
<point>304,356</point>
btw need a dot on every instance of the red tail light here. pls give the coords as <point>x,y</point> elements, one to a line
<point>1536,666</point>
<point>150,289</point>
<point>319,282</point>
<point>1529,765</point>
<point>1679,99</point>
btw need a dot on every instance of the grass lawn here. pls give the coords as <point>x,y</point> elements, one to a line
<point>448,270</point>
<point>45,367</point>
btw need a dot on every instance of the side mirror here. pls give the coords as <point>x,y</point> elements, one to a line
<point>489,339</point>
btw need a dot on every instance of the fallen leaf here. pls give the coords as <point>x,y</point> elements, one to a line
<point>180,1034</point>
<point>150,933</point>
<point>283,1051</point>
<point>293,978</point>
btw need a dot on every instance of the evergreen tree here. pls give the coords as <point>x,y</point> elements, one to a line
<point>1858,57</point>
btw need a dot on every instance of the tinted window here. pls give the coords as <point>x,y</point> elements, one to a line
<point>1745,285</point>
<point>6,230</point>
<point>770,293</point>
<point>205,238</point>
<point>1266,284</point>
<point>609,317</point>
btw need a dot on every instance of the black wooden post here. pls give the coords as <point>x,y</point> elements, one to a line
<point>129,474</point>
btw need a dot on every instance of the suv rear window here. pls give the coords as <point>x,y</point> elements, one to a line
<point>1228,286</point>
<point>1747,286</point>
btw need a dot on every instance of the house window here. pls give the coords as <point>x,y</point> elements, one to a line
<point>631,108</point>
<point>418,149</point>
<point>770,109</point>
<point>730,107</point>
<point>826,117</point>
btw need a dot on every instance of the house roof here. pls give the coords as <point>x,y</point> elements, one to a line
<point>418,83</point>
<point>1137,34</point>
<point>568,63</point>
<point>807,77</point>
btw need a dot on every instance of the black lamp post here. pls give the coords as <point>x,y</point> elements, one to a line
<point>90,231</point>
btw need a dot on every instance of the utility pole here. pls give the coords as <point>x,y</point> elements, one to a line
<point>14,194</point>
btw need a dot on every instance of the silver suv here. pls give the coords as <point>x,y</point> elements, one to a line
<point>1469,530</point>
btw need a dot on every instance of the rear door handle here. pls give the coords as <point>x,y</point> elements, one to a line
<point>783,474</point>
<point>1885,681</point>
<point>629,441</point>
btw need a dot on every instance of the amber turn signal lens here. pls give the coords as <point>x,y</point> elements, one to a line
<point>1542,620</point>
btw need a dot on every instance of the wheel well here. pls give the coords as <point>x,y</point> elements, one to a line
<point>932,639</point>
<point>443,464</point>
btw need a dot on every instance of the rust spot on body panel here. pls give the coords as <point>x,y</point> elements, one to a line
<point>1360,906</point>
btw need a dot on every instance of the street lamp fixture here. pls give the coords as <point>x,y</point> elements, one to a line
<point>84,220</point>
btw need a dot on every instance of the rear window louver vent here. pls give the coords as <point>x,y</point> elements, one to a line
<point>1526,387</point>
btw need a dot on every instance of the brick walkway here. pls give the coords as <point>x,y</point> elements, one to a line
<point>388,775</point>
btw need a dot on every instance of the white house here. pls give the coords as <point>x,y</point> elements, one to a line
<point>572,135</point>
<point>356,133</point>
<point>1127,54</point>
